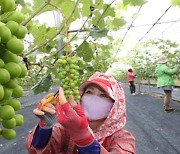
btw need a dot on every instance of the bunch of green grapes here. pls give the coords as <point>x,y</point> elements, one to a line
<point>69,76</point>
<point>11,45</point>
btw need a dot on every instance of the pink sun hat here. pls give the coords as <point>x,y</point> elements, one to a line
<point>103,84</point>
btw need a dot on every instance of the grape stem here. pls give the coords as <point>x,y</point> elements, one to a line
<point>28,63</point>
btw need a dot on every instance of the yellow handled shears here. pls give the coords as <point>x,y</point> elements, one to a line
<point>50,100</point>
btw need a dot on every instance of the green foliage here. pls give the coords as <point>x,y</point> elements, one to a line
<point>120,75</point>
<point>41,33</point>
<point>97,20</point>
<point>34,75</point>
<point>85,52</point>
<point>92,53</point>
<point>108,11</point>
<point>21,2</point>
<point>175,2</point>
<point>99,4</point>
<point>54,72</point>
<point>95,51</point>
<point>67,7</point>
<point>37,4</point>
<point>43,85</point>
<point>143,59</point>
<point>86,7</point>
<point>90,69</point>
<point>134,2</point>
<point>118,22</point>
<point>95,33</point>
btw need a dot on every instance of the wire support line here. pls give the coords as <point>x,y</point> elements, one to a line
<point>154,24</point>
<point>131,25</point>
<point>159,23</point>
<point>166,29</point>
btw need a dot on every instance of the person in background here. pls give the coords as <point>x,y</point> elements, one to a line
<point>130,79</point>
<point>93,125</point>
<point>165,80</point>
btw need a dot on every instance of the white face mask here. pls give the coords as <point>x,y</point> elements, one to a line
<point>95,107</point>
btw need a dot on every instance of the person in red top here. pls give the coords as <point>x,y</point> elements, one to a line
<point>93,125</point>
<point>130,79</point>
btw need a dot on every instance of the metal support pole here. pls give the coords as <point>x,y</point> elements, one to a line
<point>59,39</point>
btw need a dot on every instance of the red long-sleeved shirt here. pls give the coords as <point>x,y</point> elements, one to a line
<point>121,142</point>
<point>130,76</point>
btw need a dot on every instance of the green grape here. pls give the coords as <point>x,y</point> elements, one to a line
<point>9,134</point>
<point>63,57</point>
<point>68,60</point>
<point>73,71</point>
<point>76,92</point>
<point>77,97</point>
<point>72,84</point>
<point>72,66</point>
<point>11,123</point>
<point>67,68</point>
<point>66,87</point>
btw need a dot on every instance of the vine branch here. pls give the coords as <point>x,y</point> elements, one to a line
<point>81,29</point>
<point>104,12</point>
<point>42,45</point>
<point>36,12</point>
<point>98,20</point>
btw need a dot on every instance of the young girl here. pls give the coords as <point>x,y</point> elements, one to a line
<point>94,125</point>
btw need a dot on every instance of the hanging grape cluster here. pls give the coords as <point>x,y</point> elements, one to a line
<point>69,76</point>
<point>11,45</point>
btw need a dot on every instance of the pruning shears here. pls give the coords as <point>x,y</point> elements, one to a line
<point>50,100</point>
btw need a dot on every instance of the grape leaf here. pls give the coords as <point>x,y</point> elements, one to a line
<point>54,71</point>
<point>26,9</point>
<point>37,4</point>
<point>90,68</point>
<point>175,2</point>
<point>85,51</point>
<point>21,2</point>
<point>43,85</point>
<point>126,2</point>
<point>108,11</point>
<point>56,3</point>
<point>41,34</point>
<point>98,33</point>
<point>97,20</point>
<point>75,15</point>
<point>134,2</point>
<point>99,4</point>
<point>118,22</point>
<point>138,2</point>
<point>86,7</point>
<point>67,7</point>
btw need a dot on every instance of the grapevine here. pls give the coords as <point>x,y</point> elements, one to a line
<point>69,71</point>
